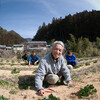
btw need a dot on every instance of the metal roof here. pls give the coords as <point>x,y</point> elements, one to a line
<point>3,46</point>
<point>37,42</point>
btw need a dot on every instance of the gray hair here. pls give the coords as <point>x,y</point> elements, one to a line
<point>58,42</point>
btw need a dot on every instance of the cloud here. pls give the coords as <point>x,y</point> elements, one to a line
<point>50,6</point>
<point>95,3</point>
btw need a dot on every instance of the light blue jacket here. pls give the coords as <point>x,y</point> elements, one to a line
<point>49,66</point>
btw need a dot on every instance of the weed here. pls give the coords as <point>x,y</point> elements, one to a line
<point>15,70</point>
<point>76,78</point>
<point>95,61</point>
<point>18,61</point>
<point>86,59</point>
<point>87,64</point>
<point>80,60</point>
<point>1,60</point>
<point>12,91</point>
<point>11,64</point>
<point>7,61</point>
<point>12,61</point>
<point>87,90</point>
<point>3,98</point>
<point>1,64</point>
<point>5,83</point>
<point>51,97</point>
<point>98,66</point>
<point>94,70</point>
<point>76,66</point>
<point>35,71</point>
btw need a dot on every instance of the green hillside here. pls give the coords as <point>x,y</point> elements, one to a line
<point>84,24</point>
<point>9,37</point>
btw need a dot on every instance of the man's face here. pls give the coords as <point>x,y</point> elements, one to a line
<point>70,54</point>
<point>57,51</point>
<point>33,54</point>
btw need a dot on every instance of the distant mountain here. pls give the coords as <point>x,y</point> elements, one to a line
<point>28,39</point>
<point>83,24</point>
<point>10,37</point>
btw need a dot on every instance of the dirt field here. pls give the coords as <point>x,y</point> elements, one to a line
<point>20,86</point>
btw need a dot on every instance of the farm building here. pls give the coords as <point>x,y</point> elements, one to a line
<point>3,47</point>
<point>18,47</point>
<point>8,48</point>
<point>36,45</point>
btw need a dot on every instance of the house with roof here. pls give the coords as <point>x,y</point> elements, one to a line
<point>35,45</point>
<point>3,47</point>
<point>18,47</point>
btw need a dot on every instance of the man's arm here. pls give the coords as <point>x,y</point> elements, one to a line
<point>41,72</point>
<point>29,60</point>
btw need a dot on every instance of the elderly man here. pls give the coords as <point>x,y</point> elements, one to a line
<point>50,66</point>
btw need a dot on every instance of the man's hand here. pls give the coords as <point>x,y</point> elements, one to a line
<point>40,92</point>
<point>75,60</point>
<point>36,62</point>
<point>71,84</point>
<point>29,63</point>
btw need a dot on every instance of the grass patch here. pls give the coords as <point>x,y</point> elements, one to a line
<point>3,98</point>
<point>1,64</point>
<point>34,71</point>
<point>5,83</point>
<point>99,66</point>
<point>50,97</point>
<point>76,78</point>
<point>1,60</point>
<point>12,91</point>
<point>86,59</point>
<point>12,61</point>
<point>80,60</point>
<point>76,66</point>
<point>7,61</point>
<point>94,71</point>
<point>11,64</point>
<point>87,64</point>
<point>18,61</point>
<point>95,61</point>
<point>15,70</point>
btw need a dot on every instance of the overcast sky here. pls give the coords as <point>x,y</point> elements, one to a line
<point>25,16</point>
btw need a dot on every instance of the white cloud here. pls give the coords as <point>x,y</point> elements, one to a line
<point>50,7</point>
<point>95,3</point>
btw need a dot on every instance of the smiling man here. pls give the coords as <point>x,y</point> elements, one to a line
<point>50,66</point>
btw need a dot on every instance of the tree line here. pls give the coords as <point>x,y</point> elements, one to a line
<point>83,24</point>
<point>9,38</point>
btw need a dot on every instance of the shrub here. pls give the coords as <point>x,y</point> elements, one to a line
<point>82,47</point>
<point>87,90</point>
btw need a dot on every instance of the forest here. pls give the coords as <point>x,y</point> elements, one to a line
<point>84,24</point>
<point>9,38</point>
